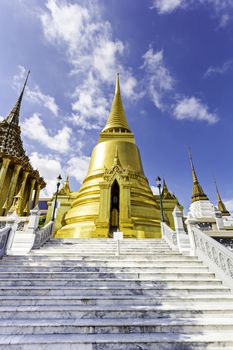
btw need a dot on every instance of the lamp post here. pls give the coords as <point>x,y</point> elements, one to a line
<point>59,178</point>
<point>158,181</point>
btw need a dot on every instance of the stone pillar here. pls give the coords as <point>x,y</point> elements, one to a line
<point>33,221</point>
<point>13,184</point>
<point>22,189</point>
<point>219,220</point>
<point>27,208</point>
<point>3,172</point>
<point>183,240</point>
<point>190,222</point>
<point>102,223</point>
<point>126,225</point>
<point>36,196</point>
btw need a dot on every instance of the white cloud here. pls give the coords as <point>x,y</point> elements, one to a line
<point>221,8</point>
<point>158,78</point>
<point>225,67</point>
<point>1,118</point>
<point>229,204</point>
<point>93,54</point>
<point>167,6</point>
<point>77,167</point>
<point>49,168</point>
<point>35,95</point>
<point>34,129</point>
<point>191,108</point>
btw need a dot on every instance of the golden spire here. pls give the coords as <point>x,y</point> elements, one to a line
<point>65,190</point>
<point>116,160</point>
<point>117,119</point>
<point>13,116</point>
<point>221,205</point>
<point>165,192</point>
<point>198,193</point>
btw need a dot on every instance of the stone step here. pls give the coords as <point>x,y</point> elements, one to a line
<point>38,269</point>
<point>75,257</point>
<point>162,290</point>
<point>108,283</point>
<point>93,263</point>
<point>101,241</point>
<point>146,249</point>
<point>149,276</point>
<point>111,282</point>
<point>47,260</point>
<point>154,341</point>
<point>123,326</point>
<point>105,312</point>
<point>188,301</point>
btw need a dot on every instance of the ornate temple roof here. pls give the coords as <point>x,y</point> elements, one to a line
<point>11,145</point>
<point>198,193</point>
<point>117,118</point>
<point>13,116</point>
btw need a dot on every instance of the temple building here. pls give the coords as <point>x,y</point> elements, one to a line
<point>20,184</point>
<point>115,195</point>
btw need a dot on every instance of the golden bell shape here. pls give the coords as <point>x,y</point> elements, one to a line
<point>115,194</point>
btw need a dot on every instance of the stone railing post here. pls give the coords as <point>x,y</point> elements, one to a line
<point>21,239</point>
<point>33,220</point>
<point>182,238</point>
<point>190,225</point>
<point>219,220</point>
<point>12,221</point>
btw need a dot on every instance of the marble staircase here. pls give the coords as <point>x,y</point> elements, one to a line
<point>78,294</point>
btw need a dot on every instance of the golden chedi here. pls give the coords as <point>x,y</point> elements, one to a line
<point>115,194</point>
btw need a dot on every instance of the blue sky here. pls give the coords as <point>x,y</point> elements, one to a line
<point>176,63</point>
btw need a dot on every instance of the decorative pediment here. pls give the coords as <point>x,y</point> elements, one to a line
<point>116,171</point>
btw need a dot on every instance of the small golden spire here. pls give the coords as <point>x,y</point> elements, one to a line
<point>165,192</point>
<point>65,190</point>
<point>13,116</point>
<point>117,119</point>
<point>116,160</point>
<point>221,205</point>
<point>198,193</point>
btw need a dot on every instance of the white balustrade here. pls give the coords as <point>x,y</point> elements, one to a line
<point>214,254</point>
<point>43,235</point>
<point>169,236</point>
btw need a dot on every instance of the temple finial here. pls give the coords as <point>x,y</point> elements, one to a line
<point>117,87</point>
<point>198,193</point>
<point>221,205</point>
<point>117,121</point>
<point>13,116</point>
<point>166,194</point>
<point>194,175</point>
<point>116,160</point>
<point>65,190</point>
